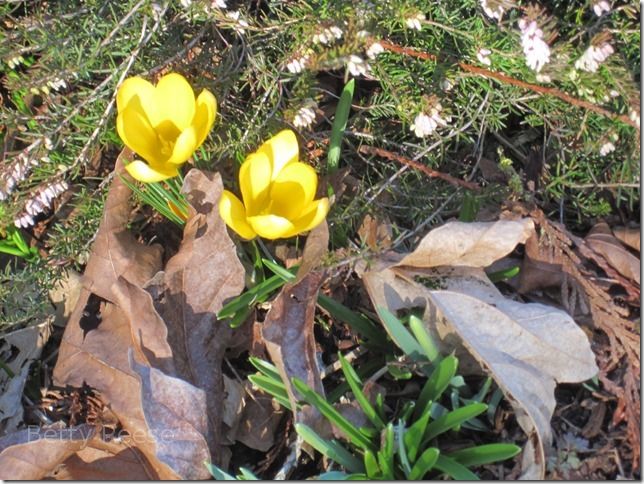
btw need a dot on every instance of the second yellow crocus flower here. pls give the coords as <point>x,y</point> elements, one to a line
<point>278,193</point>
<point>163,124</point>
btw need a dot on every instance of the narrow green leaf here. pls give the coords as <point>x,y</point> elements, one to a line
<point>358,322</point>
<point>452,419</point>
<point>280,271</point>
<point>354,382</point>
<point>424,464</point>
<point>218,474</point>
<point>503,275</point>
<point>330,448</point>
<point>274,389</point>
<point>453,469</point>
<point>336,418</point>
<point>414,435</point>
<point>402,452</point>
<point>436,384</point>
<point>424,338</point>
<point>484,454</point>
<point>469,209</point>
<point>386,453</point>
<point>339,125</point>
<point>248,475</point>
<point>332,476</point>
<point>265,368</point>
<point>401,336</point>
<point>371,465</point>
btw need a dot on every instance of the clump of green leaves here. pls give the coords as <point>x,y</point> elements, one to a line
<point>405,443</point>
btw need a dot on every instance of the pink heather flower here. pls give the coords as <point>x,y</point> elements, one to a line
<point>536,50</point>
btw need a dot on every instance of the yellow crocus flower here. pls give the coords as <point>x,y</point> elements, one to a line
<point>278,193</point>
<point>163,124</point>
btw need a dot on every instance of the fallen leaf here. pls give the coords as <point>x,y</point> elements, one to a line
<point>69,453</point>
<point>526,348</point>
<point>18,349</point>
<point>288,334</point>
<point>315,248</point>
<point>375,233</point>
<point>115,252</point>
<point>125,321</point>
<point>615,254</point>
<point>197,281</point>
<point>64,296</point>
<point>257,419</point>
<point>474,244</point>
<point>176,421</point>
<point>629,236</point>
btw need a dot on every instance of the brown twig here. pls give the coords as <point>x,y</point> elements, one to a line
<point>372,150</point>
<point>551,91</point>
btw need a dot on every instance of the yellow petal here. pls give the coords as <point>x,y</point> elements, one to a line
<point>131,87</point>
<point>204,115</point>
<point>184,147</point>
<point>233,213</point>
<point>145,173</point>
<point>254,181</point>
<point>175,101</point>
<point>137,133</point>
<point>281,150</point>
<point>179,212</point>
<point>314,215</point>
<point>293,190</point>
<point>270,226</point>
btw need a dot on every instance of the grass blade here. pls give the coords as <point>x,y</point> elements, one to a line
<point>436,384</point>
<point>453,469</point>
<point>219,474</point>
<point>354,382</point>
<point>336,418</point>
<point>424,464</point>
<point>401,336</point>
<point>359,323</point>
<point>339,124</point>
<point>273,388</point>
<point>423,338</point>
<point>414,435</point>
<point>484,454</point>
<point>452,419</point>
<point>329,448</point>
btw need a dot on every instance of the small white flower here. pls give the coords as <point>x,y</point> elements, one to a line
<point>363,34</point>
<point>593,56</point>
<point>634,116</point>
<point>186,3</point>
<point>48,144</point>
<point>357,66</point>
<point>536,50</point>
<point>426,124</point>
<point>446,84</point>
<point>483,55</point>
<point>492,9</point>
<point>414,22</point>
<point>606,148</point>
<point>24,221</point>
<point>328,35</point>
<point>304,117</point>
<point>218,4</point>
<point>241,24</point>
<point>335,31</point>
<point>374,49</point>
<point>297,64</point>
<point>545,78</point>
<point>601,7</point>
